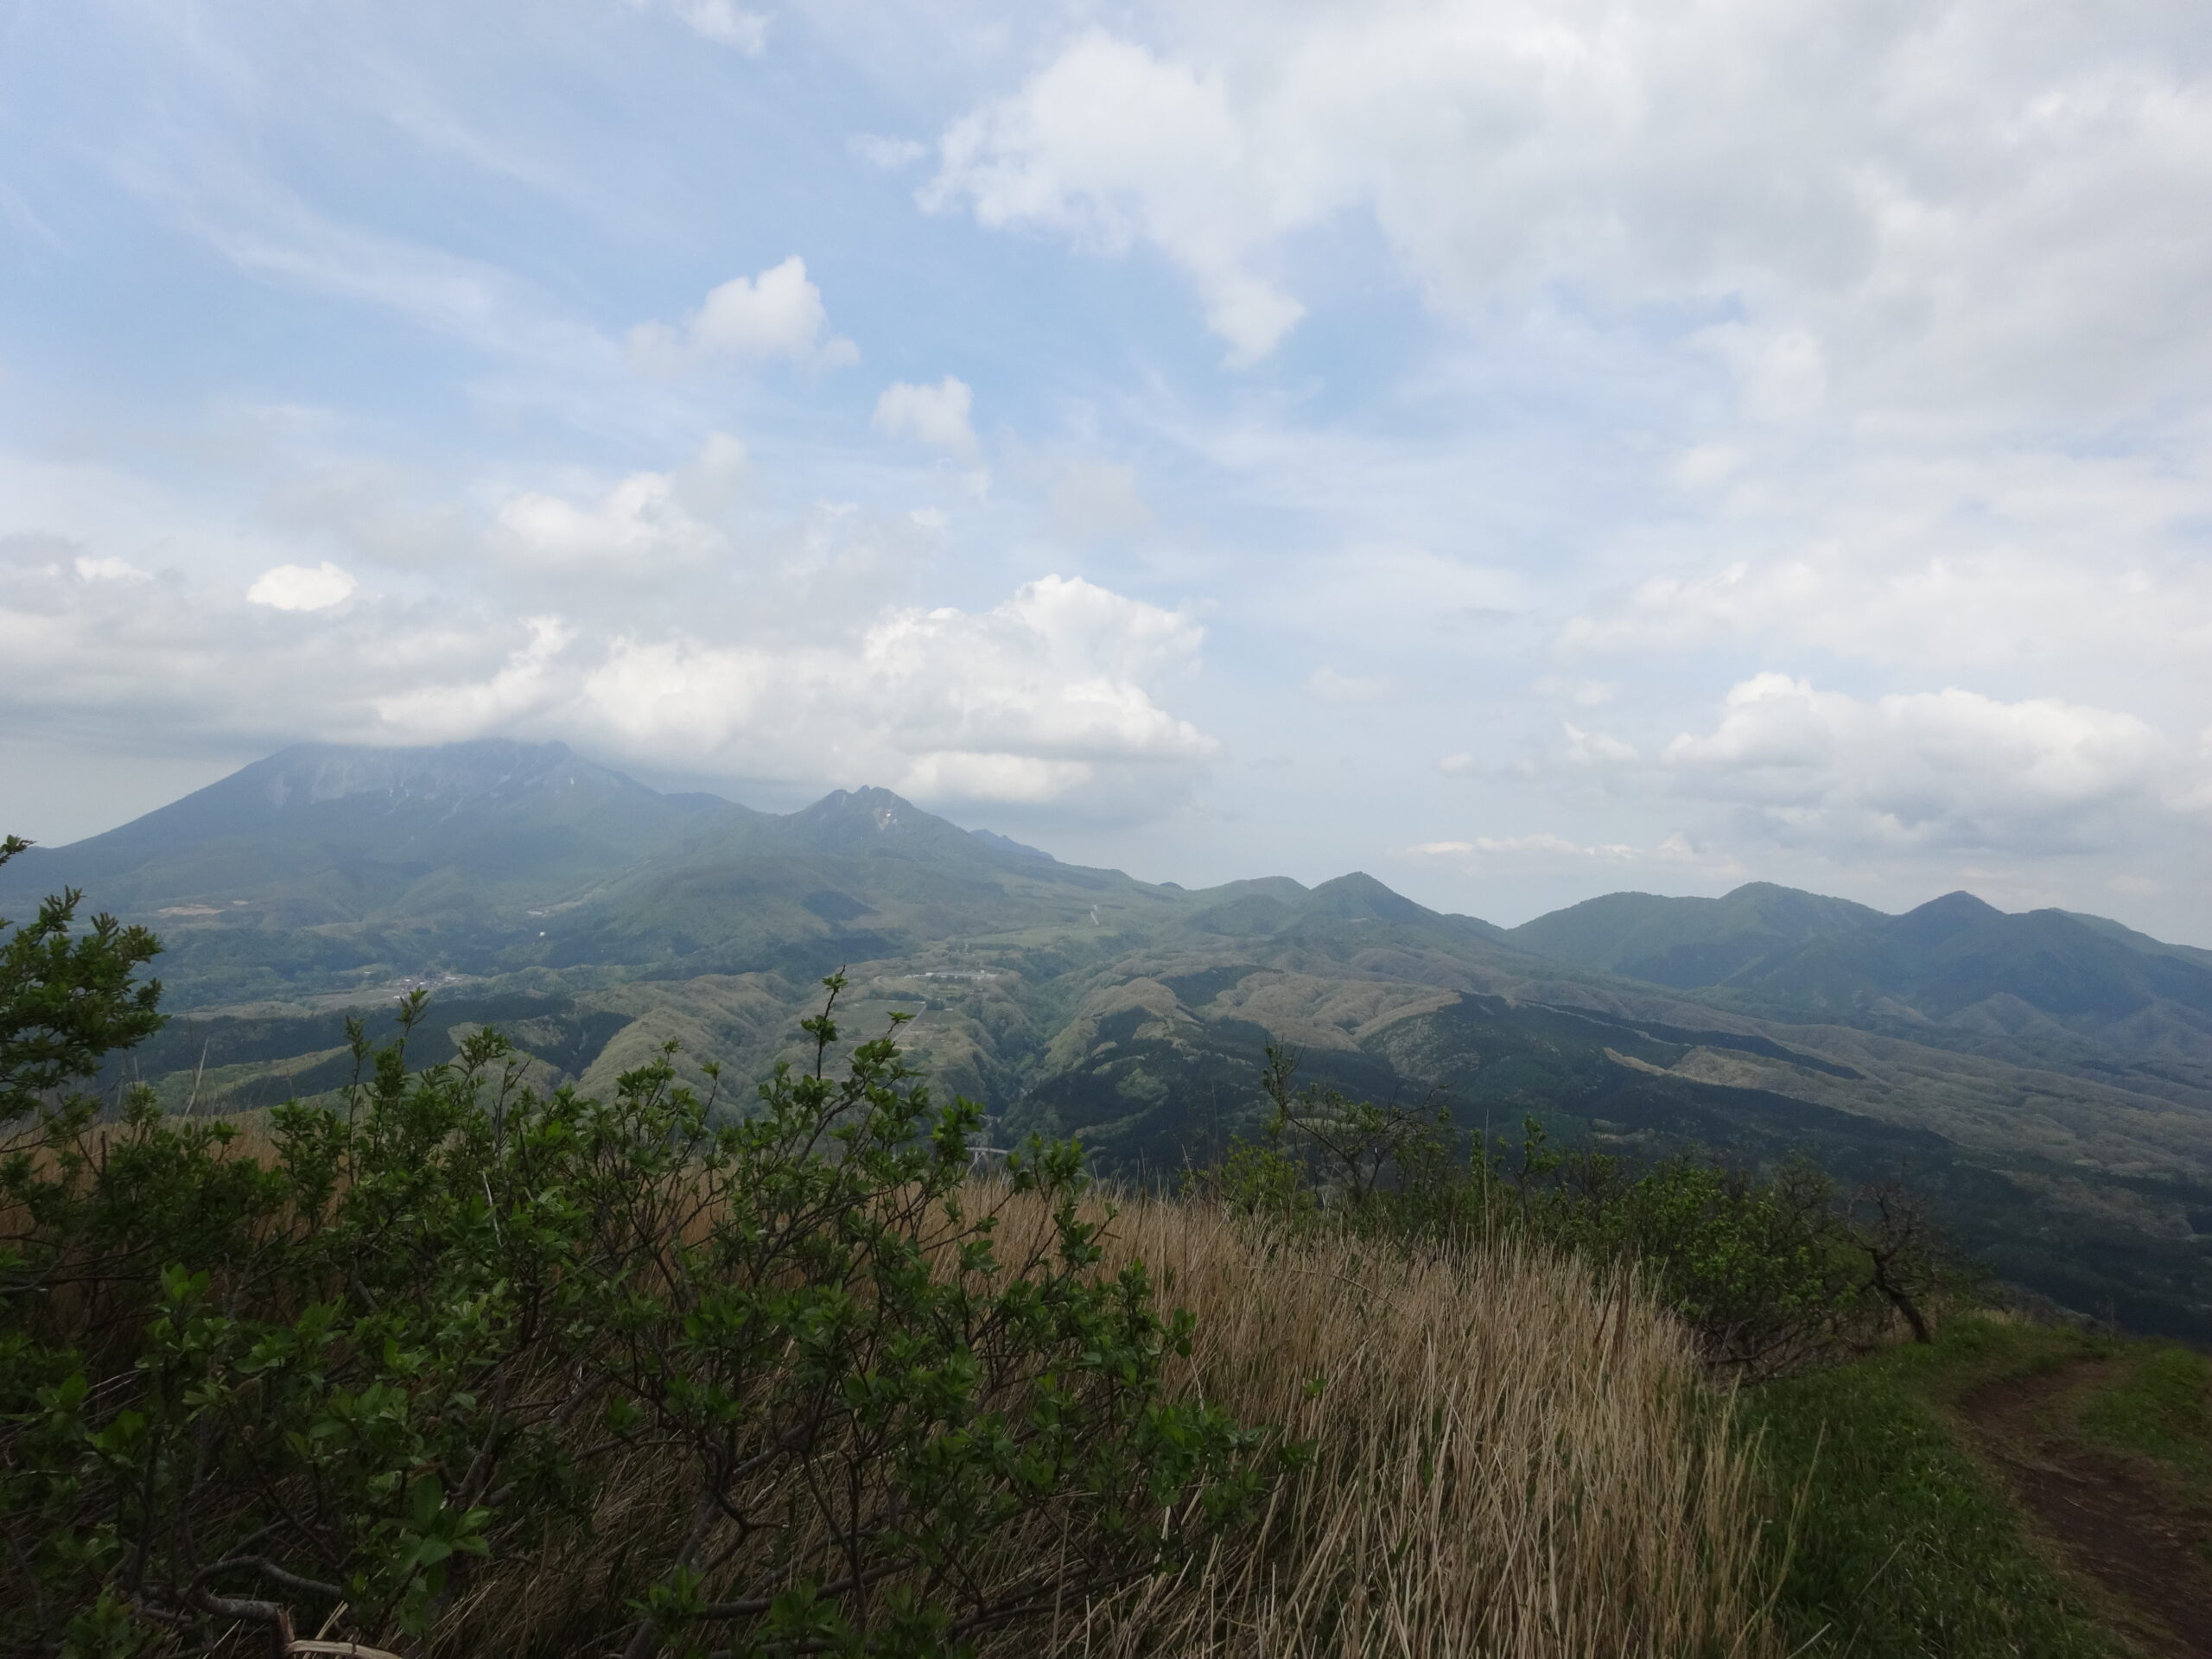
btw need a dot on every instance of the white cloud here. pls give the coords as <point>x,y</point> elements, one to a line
<point>647,519</point>
<point>109,570</point>
<point>888,153</point>
<point>723,21</point>
<point>1583,694</point>
<point>1111,143</point>
<point>776,314</point>
<point>1595,749</point>
<point>1921,209</point>
<point>1932,556</point>
<point>1950,770</point>
<point>528,683</point>
<point>1044,697</point>
<point>784,652</point>
<point>936,415</point>
<point>303,587</point>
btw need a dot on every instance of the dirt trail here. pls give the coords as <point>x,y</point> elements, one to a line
<point>2116,1524</point>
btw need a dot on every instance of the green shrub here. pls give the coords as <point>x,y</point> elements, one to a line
<point>343,1375</point>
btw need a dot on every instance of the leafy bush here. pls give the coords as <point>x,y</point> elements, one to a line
<point>68,999</point>
<point>776,1376</point>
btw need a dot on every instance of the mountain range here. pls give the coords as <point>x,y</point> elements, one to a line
<point>2046,1076</point>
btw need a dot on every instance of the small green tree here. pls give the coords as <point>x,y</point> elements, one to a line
<point>68,998</point>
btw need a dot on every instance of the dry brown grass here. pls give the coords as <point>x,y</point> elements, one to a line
<point>1504,1463</point>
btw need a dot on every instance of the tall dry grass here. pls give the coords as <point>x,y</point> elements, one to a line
<point>1505,1462</point>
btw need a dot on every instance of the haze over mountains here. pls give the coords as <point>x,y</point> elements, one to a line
<point>2049,1075</point>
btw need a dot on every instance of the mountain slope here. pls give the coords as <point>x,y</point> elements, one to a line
<point>1688,941</point>
<point>333,832</point>
<point>324,864</point>
<point>1956,969</point>
<point>2034,1071</point>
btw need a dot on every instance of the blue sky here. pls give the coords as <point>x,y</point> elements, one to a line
<point>1520,450</point>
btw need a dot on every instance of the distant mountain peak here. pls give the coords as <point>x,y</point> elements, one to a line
<point>856,819</point>
<point>1940,919</point>
<point>1359,896</point>
<point>485,772</point>
<point>886,813</point>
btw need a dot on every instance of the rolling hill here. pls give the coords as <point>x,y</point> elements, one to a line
<point>2077,989</point>
<point>2047,1076</point>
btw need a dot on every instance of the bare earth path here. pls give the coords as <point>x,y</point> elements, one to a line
<point>2144,1541</point>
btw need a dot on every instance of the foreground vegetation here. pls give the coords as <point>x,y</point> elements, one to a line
<point>472,1374</point>
<point>445,1364</point>
<point>452,1365</point>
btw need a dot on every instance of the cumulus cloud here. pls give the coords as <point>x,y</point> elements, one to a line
<point>1047,697</point>
<point>111,569</point>
<point>936,415</point>
<point>783,653</point>
<point>1907,207</point>
<point>1595,749</point>
<point>1949,771</point>
<point>647,520</point>
<point>778,314</point>
<point>1938,558</point>
<point>528,683</point>
<point>1110,143</point>
<point>302,587</point>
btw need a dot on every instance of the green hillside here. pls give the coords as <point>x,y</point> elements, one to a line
<point>1688,942</point>
<point>2081,992</point>
<point>2041,1075</point>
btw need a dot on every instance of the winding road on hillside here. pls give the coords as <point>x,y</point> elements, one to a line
<point>2144,1544</point>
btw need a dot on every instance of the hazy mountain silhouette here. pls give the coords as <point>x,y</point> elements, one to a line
<point>1955,961</point>
<point>323,833</point>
